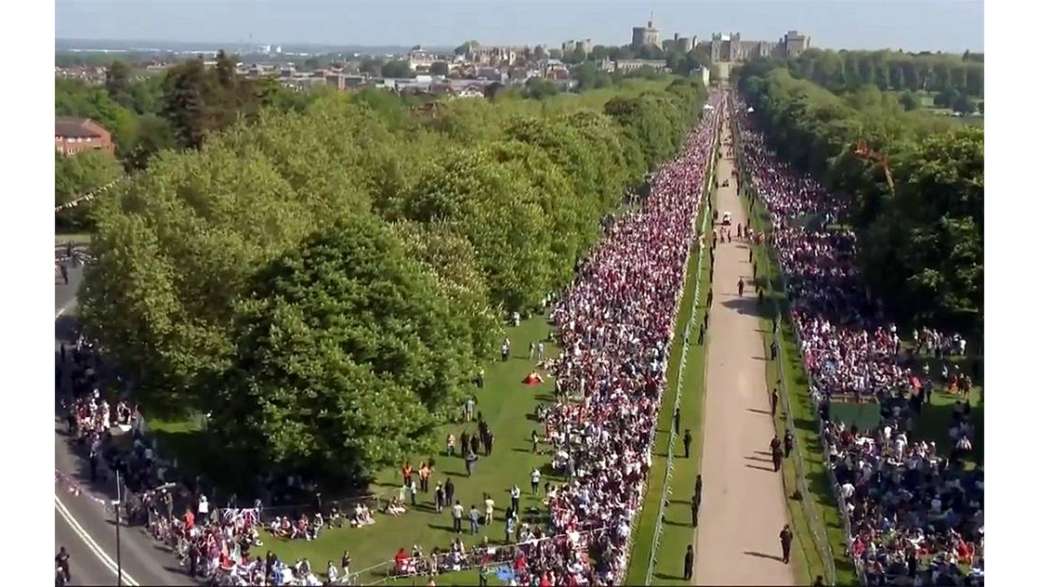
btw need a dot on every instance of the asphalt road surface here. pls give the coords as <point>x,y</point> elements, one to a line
<point>85,527</point>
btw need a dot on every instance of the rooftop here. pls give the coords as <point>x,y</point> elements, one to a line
<point>65,126</point>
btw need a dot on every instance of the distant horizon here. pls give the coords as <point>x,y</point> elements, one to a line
<point>953,26</point>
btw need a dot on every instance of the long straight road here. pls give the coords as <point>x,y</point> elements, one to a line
<point>84,526</point>
<point>743,507</point>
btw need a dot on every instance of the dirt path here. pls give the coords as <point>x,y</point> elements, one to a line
<point>742,508</point>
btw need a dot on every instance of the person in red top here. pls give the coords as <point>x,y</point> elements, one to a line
<point>544,581</point>
<point>189,520</point>
<point>400,559</point>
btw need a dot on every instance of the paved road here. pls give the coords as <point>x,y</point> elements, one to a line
<point>743,501</point>
<point>83,526</point>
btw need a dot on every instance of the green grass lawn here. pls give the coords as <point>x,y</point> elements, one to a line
<point>677,531</point>
<point>506,404</point>
<point>76,237</point>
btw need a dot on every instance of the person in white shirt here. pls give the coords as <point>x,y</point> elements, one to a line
<point>489,510</point>
<point>203,509</point>
<point>536,477</point>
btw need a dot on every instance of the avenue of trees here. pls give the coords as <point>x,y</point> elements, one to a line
<point>921,247</point>
<point>892,71</point>
<point>325,281</point>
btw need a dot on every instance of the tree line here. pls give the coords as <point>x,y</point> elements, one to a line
<point>921,246</point>
<point>325,282</point>
<point>892,71</point>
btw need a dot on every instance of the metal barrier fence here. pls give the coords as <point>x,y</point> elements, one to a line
<point>673,434</point>
<point>823,544</point>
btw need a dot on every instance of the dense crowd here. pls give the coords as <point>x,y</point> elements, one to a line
<point>614,328</point>
<point>915,514</point>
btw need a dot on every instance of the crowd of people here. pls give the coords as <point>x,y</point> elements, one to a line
<point>915,514</point>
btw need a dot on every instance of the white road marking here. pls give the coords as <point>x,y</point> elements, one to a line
<point>93,546</point>
<point>65,308</point>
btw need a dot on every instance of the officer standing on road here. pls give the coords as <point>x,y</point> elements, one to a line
<point>785,543</point>
<point>740,287</point>
<point>773,399</point>
<point>64,273</point>
<point>688,563</point>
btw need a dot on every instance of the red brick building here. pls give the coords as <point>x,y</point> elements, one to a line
<point>75,135</point>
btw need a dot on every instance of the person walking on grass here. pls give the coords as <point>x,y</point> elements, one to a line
<point>536,477</point>
<point>688,563</point>
<point>687,439</point>
<point>514,497</point>
<point>788,444</point>
<point>773,350</point>
<point>785,543</point>
<point>438,496</point>
<point>449,491</point>
<point>456,517</point>
<point>676,418</point>
<point>774,398</point>
<point>489,510</point>
<point>471,461</point>
<point>451,444</point>
<point>474,519</point>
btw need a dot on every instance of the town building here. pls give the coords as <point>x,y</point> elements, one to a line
<point>731,49</point>
<point>795,43</point>
<point>634,64</point>
<point>646,36</point>
<point>421,60</point>
<point>75,135</point>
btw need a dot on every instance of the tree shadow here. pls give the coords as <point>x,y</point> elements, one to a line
<point>759,459</point>
<point>516,449</point>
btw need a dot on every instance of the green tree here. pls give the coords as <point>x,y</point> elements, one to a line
<point>117,82</point>
<point>539,89</point>
<point>908,101</point>
<point>76,176</point>
<point>396,68</point>
<point>347,357</point>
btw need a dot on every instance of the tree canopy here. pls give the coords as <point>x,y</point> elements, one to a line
<point>276,265</point>
<point>920,247</point>
<point>347,355</point>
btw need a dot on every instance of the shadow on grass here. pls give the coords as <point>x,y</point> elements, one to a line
<point>668,577</point>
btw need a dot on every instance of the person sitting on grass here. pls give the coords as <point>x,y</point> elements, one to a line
<point>362,517</point>
<point>395,508</point>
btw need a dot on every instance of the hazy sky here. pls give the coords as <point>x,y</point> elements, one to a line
<point>916,25</point>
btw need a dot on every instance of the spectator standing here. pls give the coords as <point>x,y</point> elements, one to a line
<point>688,563</point>
<point>456,517</point>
